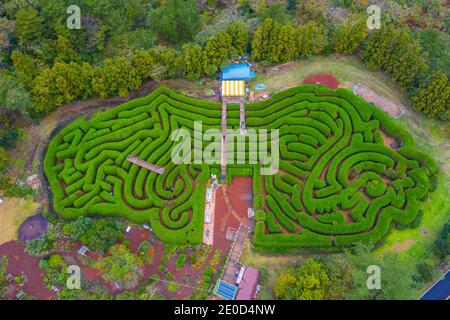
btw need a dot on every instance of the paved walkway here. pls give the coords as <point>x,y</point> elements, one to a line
<point>242,117</point>
<point>208,226</point>
<point>232,267</point>
<point>145,164</point>
<point>223,156</point>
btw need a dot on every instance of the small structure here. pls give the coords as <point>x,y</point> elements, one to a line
<point>248,283</point>
<point>250,213</point>
<point>33,181</point>
<point>231,234</point>
<point>208,215</point>
<point>145,164</point>
<point>83,250</point>
<point>209,195</point>
<point>234,77</point>
<point>20,294</point>
<point>226,290</point>
<point>1,201</point>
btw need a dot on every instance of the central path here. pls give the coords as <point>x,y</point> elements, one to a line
<point>223,159</point>
<point>232,265</point>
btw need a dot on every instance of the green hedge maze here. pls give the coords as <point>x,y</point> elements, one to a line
<point>348,172</point>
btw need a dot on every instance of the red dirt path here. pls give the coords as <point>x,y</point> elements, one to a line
<point>322,78</point>
<point>21,263</point>
<point>241,196</point>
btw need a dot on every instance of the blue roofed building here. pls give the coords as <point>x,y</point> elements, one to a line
<point>226,290</point>
<point>239,71</point>
<point>234,77</point>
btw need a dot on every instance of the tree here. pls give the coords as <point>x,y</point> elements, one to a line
<point>314,9</point>
<point>285,281</point>
<point>121,265</point>
<point>61,84</point>
<point>340,273</point>
<point>64,50</point>
<point>441,246</point>
<point>217,50</point>
<point>117,76</point>
<point>41,245</point>
<point>4,160</point>
<point>176,20</point>
<point>8,138</point>
<point>393,50</point>
<point>191,60</point>
<point>309,282</point>
<point>276,12</point>
<point>349,36</point>
<point>311,39</point>
<point>143,61</point>
<point>27,68</point>
<point>29,24</point>
<point>13,95</point>
<point>433,96</point>
<point>436,44</point>
<point>240,36</point>
<point>264,40</point>
<point>284,46</point>
<point>101,233</point>
<point>166,63</point>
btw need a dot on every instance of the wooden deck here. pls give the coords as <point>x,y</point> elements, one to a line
<point>145,164</point>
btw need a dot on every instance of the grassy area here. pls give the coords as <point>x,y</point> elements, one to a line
<point>13,212</point>
<point>347,69</point>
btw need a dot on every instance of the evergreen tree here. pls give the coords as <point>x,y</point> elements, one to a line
<point>349,36</point>
<point>240,36</point>
<point>61,84</point>
<point>217,50</point>
<point>176,20</point>
<point>191,61</point>
<point>311,39</point>
<point>284,46</point>
<point>393,50</point>
<point>29,24</point>
<point>26,67</point>
<point>144,62</point>
<point>433,96</point>
<point>264,40</point>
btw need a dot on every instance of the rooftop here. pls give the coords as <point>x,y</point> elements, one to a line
<point>247,286</point>
<point>240,71</point>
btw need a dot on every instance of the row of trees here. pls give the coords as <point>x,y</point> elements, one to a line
<point>392,49</point>
<point>68,80</point>
<point>402,56</point>
<point>274,42</point>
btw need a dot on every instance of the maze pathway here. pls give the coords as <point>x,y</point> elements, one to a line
<point>338,182</point>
